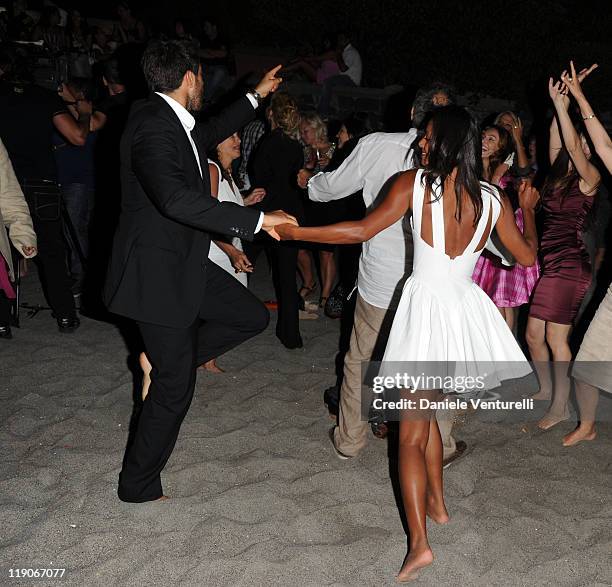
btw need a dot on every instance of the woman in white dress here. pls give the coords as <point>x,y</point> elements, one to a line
<point>442,316</point>
<point>229,254</point>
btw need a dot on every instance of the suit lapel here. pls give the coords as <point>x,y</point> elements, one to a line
<point>170,115</point>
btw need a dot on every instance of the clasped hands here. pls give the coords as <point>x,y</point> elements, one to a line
<point>278,224</point>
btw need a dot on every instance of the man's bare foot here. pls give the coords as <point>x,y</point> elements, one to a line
<point>542,395</point>
<point>146,374</point>
<point>212,367</point>
<point>437,511</point>
<point>549,420</point>
<point>581,433</point>
<point>415,561</point>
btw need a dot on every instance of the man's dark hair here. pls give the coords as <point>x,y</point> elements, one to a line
<point>423,101</point>
<point>165,63</point>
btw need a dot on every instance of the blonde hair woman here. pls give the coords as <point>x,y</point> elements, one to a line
<point>275,166</point>
<point>318,151</point>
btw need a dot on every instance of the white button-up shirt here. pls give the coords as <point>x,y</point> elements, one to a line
<point>188,122</point>
<point>384,262</point>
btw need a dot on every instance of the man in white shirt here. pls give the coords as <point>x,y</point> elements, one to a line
<point>349,63</point>
<point>385,264</point>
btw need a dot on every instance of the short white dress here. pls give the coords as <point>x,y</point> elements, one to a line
<point>227,193</point>
<point>443,317</point>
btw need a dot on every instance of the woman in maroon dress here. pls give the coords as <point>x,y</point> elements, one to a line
<point>567,197</point>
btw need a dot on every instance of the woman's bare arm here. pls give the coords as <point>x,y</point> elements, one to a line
<point>523,247</point>
<point>554,142</point>
<point>395,205</point>
<point>597,132</point>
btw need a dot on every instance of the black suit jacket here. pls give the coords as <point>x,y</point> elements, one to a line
<point>157,271</point>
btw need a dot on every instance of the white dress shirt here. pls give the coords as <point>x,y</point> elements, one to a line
<point>188,122</point>
<point>384,264</point>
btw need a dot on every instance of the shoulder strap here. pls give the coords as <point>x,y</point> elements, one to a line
<point>211,162</point>
<point>482,223</point>
<point>437,219</point>
<point>418,193</point>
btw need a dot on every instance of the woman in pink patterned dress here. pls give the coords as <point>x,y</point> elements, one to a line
<point>508,287</point>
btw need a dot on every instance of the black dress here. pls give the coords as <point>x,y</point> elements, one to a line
<point>275,166</point>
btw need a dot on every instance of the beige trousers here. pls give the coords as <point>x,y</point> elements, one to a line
<point>351,434</point>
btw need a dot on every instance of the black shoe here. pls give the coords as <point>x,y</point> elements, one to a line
<point>331,398</point>
<point>68,325</point>
<point>378,422</point>
<point>5,332</point>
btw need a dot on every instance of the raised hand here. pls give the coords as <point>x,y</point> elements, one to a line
<point>517,129</point>
<point>528,196</point>
<point>572,80</point>
<point>558,93</point>
<point>269,82</point>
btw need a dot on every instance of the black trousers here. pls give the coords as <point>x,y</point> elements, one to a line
<point>44,201</point>
<point>283,257</point>
<point>229,315</point>
<point>5,308</point>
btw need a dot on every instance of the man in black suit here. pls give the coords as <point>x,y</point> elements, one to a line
<point>159,275</point>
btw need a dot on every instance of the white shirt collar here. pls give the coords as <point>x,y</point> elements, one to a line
<point>184,116</point>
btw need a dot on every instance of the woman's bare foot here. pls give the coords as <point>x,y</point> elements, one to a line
<point>146,374</point>
<point>542,395</point>
<point>549,420</point>
<point>437,511</point>
<point>415,560</point>
<point>162,498</point>
<point>581,433</point>
<point>212,367</point>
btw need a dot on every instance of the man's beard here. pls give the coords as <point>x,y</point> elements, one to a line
<point>194,103</point>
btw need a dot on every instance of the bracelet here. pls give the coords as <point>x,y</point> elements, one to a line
<point>589,117</point>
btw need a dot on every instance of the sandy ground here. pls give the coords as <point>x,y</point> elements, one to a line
<point>258,498</point>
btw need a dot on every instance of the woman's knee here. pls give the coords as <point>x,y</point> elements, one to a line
<point>557,341</point>
<point>535,335</point>
<point>414,433</point>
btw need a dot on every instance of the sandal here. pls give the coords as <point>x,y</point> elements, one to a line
<point>323,301</point>
<point>306,290</point>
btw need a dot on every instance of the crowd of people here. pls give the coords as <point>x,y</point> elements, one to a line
<point>79,165</point>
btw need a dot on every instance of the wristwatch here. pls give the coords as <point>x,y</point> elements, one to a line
<point>256,95</point>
